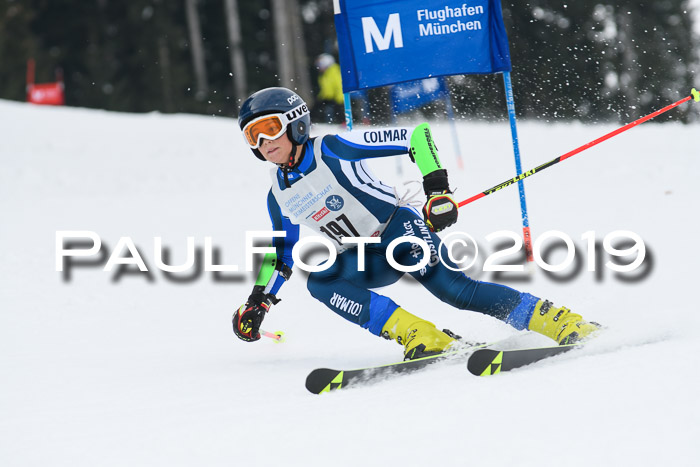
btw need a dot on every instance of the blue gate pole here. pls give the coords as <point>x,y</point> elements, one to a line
<point>348,111</point>
<point>510,102</point>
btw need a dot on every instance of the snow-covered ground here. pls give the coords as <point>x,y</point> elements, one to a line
<point>140,369</point>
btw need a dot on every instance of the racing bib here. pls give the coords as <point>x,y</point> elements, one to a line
<point>320,202</point>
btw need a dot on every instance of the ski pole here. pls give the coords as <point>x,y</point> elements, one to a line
<point>278,336</point>
<point>694,94</point>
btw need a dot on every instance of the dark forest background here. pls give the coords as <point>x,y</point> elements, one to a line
<point>583,60</point>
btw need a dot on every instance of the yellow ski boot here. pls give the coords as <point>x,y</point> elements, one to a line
<point>560,324</point>
<point>419,337</point>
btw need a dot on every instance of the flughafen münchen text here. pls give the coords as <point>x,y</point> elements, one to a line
<point>433,22</point>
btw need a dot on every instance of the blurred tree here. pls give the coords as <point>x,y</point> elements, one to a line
<point>597,61</point>
<point>290,48</point>
<point>197,49</point>
<point>652,56</point>
<point>300,53</point>
<point>583,60</point>
<point>17,45</point>
<point>555,62</point>
<point>233,22</point>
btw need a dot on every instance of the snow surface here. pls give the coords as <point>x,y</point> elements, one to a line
<point>138,369</point>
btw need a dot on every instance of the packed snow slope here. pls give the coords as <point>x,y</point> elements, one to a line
<point>122,367</point>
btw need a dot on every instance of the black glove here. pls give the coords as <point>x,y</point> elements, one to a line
<point>249,317</point>
<point>441,209</point>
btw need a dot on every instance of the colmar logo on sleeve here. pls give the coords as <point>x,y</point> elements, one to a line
<point>386,136</point>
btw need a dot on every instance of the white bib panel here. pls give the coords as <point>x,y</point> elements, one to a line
<point>319,202</point>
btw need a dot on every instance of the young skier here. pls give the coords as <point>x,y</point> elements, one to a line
<point>324,184</point>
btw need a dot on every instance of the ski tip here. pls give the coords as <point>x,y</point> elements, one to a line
<point>696,95</point>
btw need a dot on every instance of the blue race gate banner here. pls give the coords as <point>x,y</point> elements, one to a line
<point>385,42</point>
<point>408,96</point>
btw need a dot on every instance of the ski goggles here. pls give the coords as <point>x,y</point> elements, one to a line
<point>271,126</point>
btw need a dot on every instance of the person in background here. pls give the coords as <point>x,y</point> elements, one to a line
<point>329,106</point>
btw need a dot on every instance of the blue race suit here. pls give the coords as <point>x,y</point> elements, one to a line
<point>333,192</point>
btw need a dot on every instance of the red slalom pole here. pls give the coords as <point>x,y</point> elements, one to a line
<point>694,94</point>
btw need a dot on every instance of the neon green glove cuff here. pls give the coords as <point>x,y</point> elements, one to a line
<point>423,151</point>
<point>267,269</point>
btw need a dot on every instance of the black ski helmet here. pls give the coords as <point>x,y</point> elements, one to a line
<point>277,100</point>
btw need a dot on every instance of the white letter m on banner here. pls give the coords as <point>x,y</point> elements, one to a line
<point>371,31</point>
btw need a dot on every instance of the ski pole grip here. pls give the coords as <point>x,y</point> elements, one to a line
<point>696,95</point>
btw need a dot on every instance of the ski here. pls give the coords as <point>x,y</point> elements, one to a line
<point>322,380</point>
<point>481,361</point>
<point>485,362</point>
